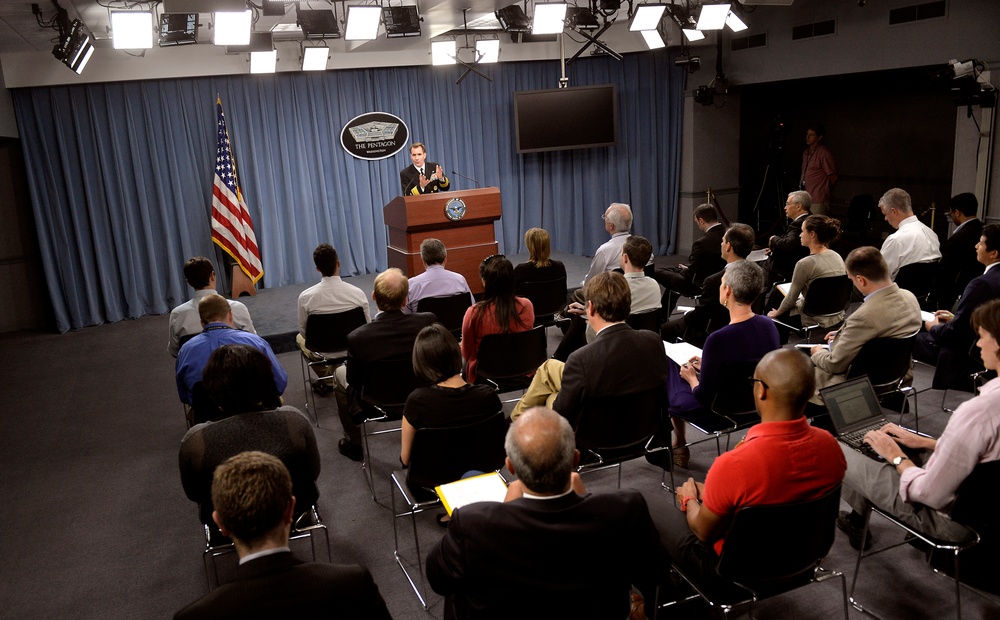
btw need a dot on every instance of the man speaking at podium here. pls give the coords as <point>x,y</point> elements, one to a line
<point>423,177</point>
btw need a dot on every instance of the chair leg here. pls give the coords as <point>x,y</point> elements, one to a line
<point>418,590</point>
<point>958,590</point>
<point>366,464</point>
<point>857,565</point>
<point>307,386</point>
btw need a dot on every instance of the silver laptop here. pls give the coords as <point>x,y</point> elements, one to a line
<point>854,410</point>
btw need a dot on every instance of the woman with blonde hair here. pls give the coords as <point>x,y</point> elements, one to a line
<point>539,268</point>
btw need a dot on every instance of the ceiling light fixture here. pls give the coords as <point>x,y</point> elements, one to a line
<point>647,17</point>
<point>692,34</point>
<point>315,58</point>
<point>363,23</point>
<point>263,62</point>
<point>178,29</point>
<point>443,52</point>
<point>549,18</point>
<point>713,16</point>
<point>513,19</point>
<point>736,20</point>
<point>488,50</point>
<point>132,30</point>
<point>232,28</point>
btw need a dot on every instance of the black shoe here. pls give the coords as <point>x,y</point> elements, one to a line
<point>350,450</point>
<point>321,387</point>
<point>853,532</point>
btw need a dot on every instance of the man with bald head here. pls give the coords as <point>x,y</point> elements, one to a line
<point>550,545</point>
<point>390,335</point>
<point>783,459</point>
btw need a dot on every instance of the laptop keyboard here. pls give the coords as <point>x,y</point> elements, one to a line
<point>855,439</point>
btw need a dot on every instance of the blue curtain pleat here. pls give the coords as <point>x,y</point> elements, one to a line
<point>121,174</point>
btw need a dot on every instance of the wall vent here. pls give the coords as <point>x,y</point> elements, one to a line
<point>916,12</point>
<point>749,41</point>
<point>818,29</point>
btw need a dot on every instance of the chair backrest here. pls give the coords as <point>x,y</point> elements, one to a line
<point>736,396</point>
<point>977,503</point>
<point>884,360</point>
<point>827,296</point>
<point>547,296</point>
<point>649,319</point>
<point>774,548</point>
<point>449,309</point>
<point>444,454</point>
<point>204,408</point>
<point>504,356</point>
<point>327,332</point>
<point>918,278</point>
<point>387,384</point>
<point>619,421</point>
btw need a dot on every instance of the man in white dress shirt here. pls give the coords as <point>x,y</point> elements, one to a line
<point>913,242</point>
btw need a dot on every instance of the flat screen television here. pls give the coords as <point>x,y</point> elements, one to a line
<point>566,118</point>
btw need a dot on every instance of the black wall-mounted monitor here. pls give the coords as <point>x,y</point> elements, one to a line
<point>566,118</point>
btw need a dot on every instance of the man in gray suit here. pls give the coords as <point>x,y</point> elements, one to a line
<point>888,312</point>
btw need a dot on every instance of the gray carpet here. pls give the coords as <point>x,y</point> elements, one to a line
<point>100,528</point>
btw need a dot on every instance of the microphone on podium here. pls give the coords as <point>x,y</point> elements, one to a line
<point>478,184</point>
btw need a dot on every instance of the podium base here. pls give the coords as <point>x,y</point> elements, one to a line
<point>242,283</point>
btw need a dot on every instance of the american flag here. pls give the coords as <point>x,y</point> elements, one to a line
<point>232,229</point>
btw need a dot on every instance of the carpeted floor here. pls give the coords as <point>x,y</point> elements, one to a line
<point>98,526</point>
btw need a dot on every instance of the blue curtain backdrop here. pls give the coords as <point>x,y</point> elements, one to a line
<point>121,173</point>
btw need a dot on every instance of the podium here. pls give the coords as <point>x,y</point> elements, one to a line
<point>411,219</point>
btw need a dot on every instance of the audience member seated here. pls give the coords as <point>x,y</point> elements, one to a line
<point>748,337</point>
<point>184,319</point>
<point>330,296</point>
<point>818,232</point>
<point>620,360</point>
<point>449,400</point>
<point>887,312</point>
<point>254,505</point>
<point>238,378</point>
<point>645,294</point>
<point>390,335</point>
<point>918,493</point>
<point>217,319</point>
<point>550,550</point>
<point>782,460</point>
<point>913,242</point>
<point>617,221</point>
<point>786,249</point>
<point>435,281</point>
<point>703,261</point>
<point>951,336</point>
<point>708,314</point>
<point>539,268</point>
<point>500,311</point>
<point>958,252</point>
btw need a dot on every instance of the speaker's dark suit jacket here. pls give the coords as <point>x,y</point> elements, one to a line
<point>280,586</point>
<point>390,335</point>
<point>948,345</point>
<point>409,179</point>
<point>958,264</point>
<point>568,557</point>
<point>786,250</point>
<point>620,360</point>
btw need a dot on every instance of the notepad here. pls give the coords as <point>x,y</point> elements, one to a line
<point>926,316</point>
<point>483,488</point>
<point>784,287</point>
<point>681,352</point>
<point>757,255</point>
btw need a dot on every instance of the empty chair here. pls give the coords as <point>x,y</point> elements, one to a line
<point>918,278</point>
<point>506,360</point>
<point>326,337</point>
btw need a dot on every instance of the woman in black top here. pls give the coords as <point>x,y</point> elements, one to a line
<point>539,268</point>
<point>449,400</point>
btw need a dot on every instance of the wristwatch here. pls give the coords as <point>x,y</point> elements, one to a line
<point>899,459</point>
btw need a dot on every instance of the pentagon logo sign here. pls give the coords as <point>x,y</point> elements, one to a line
<point>375,135</point>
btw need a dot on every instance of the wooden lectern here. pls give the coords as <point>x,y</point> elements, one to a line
<point>411,219</point>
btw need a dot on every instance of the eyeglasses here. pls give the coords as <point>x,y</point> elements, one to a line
<point>604,216</point>
<point>760,381</point>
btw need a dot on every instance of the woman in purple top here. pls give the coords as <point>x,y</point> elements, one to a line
<point>748,337</point>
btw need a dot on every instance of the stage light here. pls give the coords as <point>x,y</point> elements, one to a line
<point>443,52</point>
<point>653,39</point>
<point>314,58</point>
<point>550,18</point>
<point>401,21</point>
<point>362,23</point>
<point>713,16</point>
<point>178,29</point>
<point>647,17</point>
<point>693,35</point>
<point>316,24</point>
<point>232,28</point>
<point>513,19</point>
<point>263,62</point>
<point>580,18</point>
<point>488,50</point>
<point>75,48</point>
<point>132,30</point>
<point>736,21</point>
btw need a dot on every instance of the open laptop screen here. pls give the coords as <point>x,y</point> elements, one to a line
<point>851,402</point>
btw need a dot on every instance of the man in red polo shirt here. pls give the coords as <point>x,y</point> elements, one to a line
<point>783,459</point>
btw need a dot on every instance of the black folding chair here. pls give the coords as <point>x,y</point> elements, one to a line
<point>449,310</point>
<point>918,278</point>
<point>826,297</point>
<point>976,506</point>
<point>650,319</point>
<point>887,362</point>
<point>547,298</point>
<point>506,360</point>
<point>439,456</point>
<point>326,337</point>
<point>732,409</point>
<point>770,550</point>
